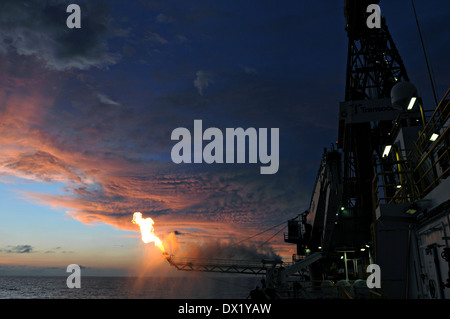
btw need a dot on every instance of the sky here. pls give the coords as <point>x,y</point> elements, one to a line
<point>87,116</point>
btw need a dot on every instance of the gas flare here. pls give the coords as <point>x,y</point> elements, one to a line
<point>147,230</point>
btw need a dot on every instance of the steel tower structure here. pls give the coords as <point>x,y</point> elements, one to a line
<point>374,66</point>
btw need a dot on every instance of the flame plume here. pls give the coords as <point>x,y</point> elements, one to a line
<point>147,230</point>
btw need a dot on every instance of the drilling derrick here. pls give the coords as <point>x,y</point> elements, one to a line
<point>369,205</point>
<point>374,66</point>
<point>373,62</point>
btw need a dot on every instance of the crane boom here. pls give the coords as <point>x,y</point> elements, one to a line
<point>225,265</point>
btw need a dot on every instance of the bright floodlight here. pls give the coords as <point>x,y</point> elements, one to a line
<point>434,137</point>
<point>387,149</point>
<point>411,103</point>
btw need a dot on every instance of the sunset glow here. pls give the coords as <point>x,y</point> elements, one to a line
<point>87,117</point>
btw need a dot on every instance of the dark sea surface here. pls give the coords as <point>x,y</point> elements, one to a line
<point>198,287</point>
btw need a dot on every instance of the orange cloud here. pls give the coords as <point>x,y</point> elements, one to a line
<point>106,176</point>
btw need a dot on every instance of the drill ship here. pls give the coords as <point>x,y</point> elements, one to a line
<point>382,191</point>
<point>378,224</point>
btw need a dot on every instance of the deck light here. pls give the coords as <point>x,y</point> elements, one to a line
<point>411,103</point>
<point>386,151</point>
<point>434,137</point>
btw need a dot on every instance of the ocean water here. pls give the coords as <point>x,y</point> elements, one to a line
<point>203,286</point>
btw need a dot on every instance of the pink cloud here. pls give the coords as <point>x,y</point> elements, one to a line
<point>106,181</point>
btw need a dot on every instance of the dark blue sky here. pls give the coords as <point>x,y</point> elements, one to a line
<point>87,113</point>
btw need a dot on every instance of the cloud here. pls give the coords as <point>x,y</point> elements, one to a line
<point>162,18</point>
<point>202,203</point>
<point>106,100</point>
<point>202,80</point>
<point>181,38</point>
<point>122,32</point>
<point>38,28</point>
<point>19,249</point>
<point>112,160</point>
<point>58,250</point>
<point>248,70</point>
<point>43,166</point>
<point>155,38</point>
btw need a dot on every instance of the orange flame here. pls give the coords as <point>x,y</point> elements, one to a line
<point>147,230</point>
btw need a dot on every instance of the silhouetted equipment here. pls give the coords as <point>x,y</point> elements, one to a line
<point>341,210</point>
<point>381,193</point>
<point>225,265</point>
<point>299,232</point>
<point>374,66</point>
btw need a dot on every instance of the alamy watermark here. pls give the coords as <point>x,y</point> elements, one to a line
<point>213,152</point>
<point>74,19</point>
<point>374,19</point>
<point>374,279</point>
<point>74,280</point>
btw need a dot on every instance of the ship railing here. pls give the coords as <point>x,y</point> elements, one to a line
<point>436,121</point>
<point>416,172</point>
<point>434,164</point>
<point>432,149</point>
<point>394,186</point>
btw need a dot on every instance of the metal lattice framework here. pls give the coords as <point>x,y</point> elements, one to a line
<point>374,66</point>
<point>225,265</point>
